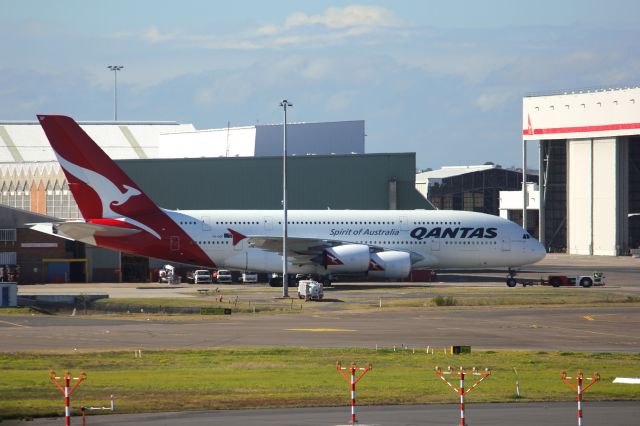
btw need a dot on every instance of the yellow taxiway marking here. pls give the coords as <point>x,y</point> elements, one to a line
<point>588,317</point>
<point>322,330</point>
<point>13,323</point>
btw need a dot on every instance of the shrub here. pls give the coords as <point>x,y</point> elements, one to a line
<point>444,301</point>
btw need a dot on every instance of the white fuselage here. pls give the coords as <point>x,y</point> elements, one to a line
<point>437,238</point>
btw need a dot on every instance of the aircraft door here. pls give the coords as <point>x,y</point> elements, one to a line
<point>174,243</point>
<point>206,223</point>
<point>506,243</point>
<point>403,223</point>
<point>435,244</point>
<point>268,223</point>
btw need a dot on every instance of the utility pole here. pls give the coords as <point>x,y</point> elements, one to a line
<point>285,266</point>
<point>115,69</point>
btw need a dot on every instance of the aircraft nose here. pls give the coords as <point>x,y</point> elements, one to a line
<point>538,252</point>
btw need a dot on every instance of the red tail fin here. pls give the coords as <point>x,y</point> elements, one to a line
<point>104,192</point>
<point>101,189</point>
<point>99,186</point>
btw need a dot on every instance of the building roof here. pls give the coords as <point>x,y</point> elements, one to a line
<point>449,171</point>
<point>304,138</point>
<point>26,142</point>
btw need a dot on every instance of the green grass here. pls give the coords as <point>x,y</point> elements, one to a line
<point>444,301</point>
<point>352,297</point>
<point>293,377</point>
<point>238,305</point>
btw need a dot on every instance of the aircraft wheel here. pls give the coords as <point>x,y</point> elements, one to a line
<point>555,282</point>
<point>586,282</point>
<point>511,282</point>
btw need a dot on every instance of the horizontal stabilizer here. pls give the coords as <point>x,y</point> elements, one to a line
<point>83,231</point>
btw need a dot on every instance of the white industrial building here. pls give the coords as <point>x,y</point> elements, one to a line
<point>339,137</point>
<point>511,201</point>
<point>589,169</point>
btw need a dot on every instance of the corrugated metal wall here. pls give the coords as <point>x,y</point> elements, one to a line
<point>315,182</point>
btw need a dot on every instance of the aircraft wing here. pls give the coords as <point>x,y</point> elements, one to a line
<point>304,246</point>
<point>307,250</point>
<point>297,245</point>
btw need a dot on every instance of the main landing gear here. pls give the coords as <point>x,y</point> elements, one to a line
<point>326,280</point>
<point>511,279</point>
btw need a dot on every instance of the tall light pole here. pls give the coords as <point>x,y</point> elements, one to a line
<point>285,266</point>
<point>115,69</point>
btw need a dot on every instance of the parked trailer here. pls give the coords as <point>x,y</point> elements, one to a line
<point>597,278</point>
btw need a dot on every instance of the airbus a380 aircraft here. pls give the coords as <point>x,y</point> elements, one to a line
<point>382,243</point>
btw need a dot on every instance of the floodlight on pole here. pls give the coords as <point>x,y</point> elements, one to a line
<point>115,69</point>
<point>285,267</point>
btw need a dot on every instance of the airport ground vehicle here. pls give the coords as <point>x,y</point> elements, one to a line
<point>224,276</point>
<point>249,277</point>
<point>202,276</point>
<point>597,279</point>
<point>167,275</point>
<point>310,290</point>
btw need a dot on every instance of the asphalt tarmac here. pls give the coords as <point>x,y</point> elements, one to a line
<point>522,414</point>
<point>591,329</point>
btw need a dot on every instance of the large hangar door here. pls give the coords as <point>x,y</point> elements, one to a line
<point>634,192</point>
<point>555,194</point>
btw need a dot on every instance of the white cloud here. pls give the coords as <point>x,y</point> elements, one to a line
<point>347,17</point>
<point>154,35</point>
<point>267,30</point>
<point>299,29</point>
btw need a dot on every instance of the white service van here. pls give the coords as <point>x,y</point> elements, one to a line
<point>249,277</point>
<point>310,290</point>
<point>224,276</point>
<point>202,276</point>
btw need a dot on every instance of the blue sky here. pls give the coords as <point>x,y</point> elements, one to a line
<point>442,79</point>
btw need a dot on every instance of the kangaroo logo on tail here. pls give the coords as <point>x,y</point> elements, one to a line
<point>109,193</point>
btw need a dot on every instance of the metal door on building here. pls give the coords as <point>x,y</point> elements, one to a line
<point>5,297</point>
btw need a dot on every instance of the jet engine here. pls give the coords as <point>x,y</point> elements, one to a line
<point>390,264</point>
<point>347,258</point>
